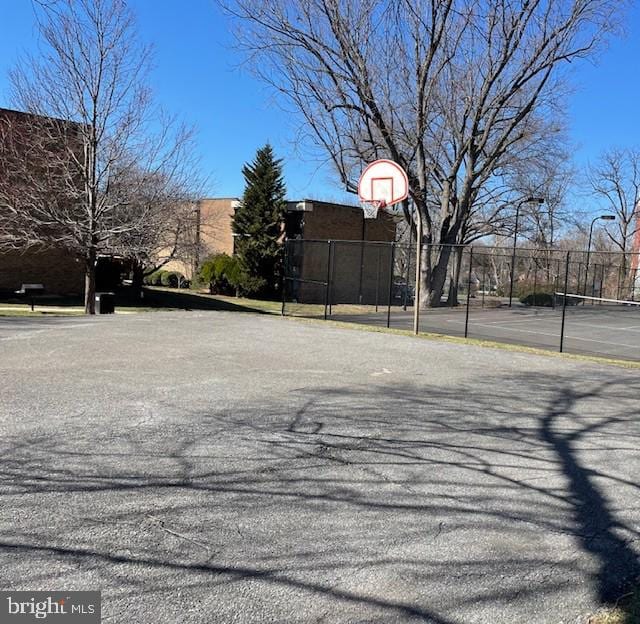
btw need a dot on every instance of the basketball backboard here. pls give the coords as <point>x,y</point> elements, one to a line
<point>383,183</point>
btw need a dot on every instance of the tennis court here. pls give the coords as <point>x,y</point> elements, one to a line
<point>594,327</point>
<point>491,293</point>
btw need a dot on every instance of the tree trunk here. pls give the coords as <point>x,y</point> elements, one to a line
<point>439,276</point>
<point>454,284</point>
<point>494,277</point>
<point>90,283</point>
<point>426,269</point>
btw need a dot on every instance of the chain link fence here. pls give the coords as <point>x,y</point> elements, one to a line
<point>572,301</point>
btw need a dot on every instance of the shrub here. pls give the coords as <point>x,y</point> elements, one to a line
<point>157,278</point>
<point>172,279</point>
<point>153,279</point>
<point>250,285</point>
<point>538,299</point>
<point>164,278</point>
<point>222,273</point>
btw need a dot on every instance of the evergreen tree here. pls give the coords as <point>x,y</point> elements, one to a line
<point>257,224</point>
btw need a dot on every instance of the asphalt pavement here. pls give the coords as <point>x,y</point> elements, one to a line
<point>589,330</point>
<point>219,467</point>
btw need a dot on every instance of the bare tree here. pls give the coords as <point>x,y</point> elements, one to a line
<point>542,224</point>
<point>615,182</point>
<point>455,91</point>
<point>94,167</point>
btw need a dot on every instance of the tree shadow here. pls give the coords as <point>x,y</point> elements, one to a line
<point>183,299</point>
<point>402,502</point>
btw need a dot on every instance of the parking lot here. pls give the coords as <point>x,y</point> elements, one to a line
<point>223,467</point>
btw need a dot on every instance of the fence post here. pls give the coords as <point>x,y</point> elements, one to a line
<point>391,265</point>
<point>417,295</point>
<point>285,275</point>
<point>327,285</point>
<point>332,276</point>
<point>484,275</point>
<point>377,277</point>
<point>466,318</point>
<point>564,300</point>
<point>407,279</point>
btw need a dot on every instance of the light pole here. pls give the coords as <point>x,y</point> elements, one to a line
<point>605,217</point>
<point>528,200</point>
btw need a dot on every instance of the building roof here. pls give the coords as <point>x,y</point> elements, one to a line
<point>11,111</point>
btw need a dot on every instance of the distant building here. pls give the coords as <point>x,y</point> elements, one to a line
<point>307,220</point>
<point>318,220</point>
<point>213,232</point>
<point>58,270</point>
<point>328,251</point>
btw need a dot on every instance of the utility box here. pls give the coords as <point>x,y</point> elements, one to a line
<point>105,303</point>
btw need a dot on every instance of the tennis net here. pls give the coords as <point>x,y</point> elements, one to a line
<point>585,303</point>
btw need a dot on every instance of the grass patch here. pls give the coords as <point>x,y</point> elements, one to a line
<point>199,300</point>
<point>627,611</point>
<point>18,310</point>
<point>181,299</point>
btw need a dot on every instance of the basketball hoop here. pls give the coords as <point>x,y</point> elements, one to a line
<point>383,183</point>
<point>370,208</point>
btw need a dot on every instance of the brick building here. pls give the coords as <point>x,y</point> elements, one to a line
<point>325,245</point>
<point>213,232</point>
<point>317,220</point>
<point>57,269</point>
<point>307,220</point>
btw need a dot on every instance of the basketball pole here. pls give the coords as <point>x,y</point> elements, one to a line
<point>416,299</point>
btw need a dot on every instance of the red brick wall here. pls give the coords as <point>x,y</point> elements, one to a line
<point>57,269</point>
<point>359,274</point>
<point>327,221</point>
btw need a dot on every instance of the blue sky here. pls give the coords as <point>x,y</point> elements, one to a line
<point>199,75</point>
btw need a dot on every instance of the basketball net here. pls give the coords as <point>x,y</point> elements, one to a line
<point>371,208</point>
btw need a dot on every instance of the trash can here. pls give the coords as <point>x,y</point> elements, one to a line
<point>105,303</point>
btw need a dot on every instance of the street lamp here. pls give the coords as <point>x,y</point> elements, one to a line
<point>528,200</point>
<point>605,217</point>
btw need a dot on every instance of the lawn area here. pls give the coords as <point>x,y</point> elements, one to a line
<point>154,299</point>
<point>179,298</point>
<point>162,298</point>
<point>21,310</point>
<point>174,298</point>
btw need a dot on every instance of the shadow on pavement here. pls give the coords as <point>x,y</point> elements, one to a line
<point>360,486</point>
